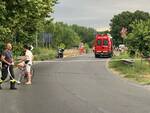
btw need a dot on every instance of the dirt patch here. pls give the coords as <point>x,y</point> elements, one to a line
<point>71,52</point>
<point>146,76</point>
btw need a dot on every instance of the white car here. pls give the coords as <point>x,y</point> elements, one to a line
<point>122,47</point>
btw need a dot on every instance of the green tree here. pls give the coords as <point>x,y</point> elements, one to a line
<point>124,20</point>
<point>70,35</point>
<point>22,17</point>
<point>103,32</point>
<point>139,39</point>
<point>86,35</point>
<point>61,33</point>
<point>65,34</point>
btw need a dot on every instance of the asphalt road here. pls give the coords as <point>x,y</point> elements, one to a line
<point>75,85</point>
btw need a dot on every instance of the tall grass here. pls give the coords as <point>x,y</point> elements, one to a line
<point>44,54</point>
<point>139,71</point>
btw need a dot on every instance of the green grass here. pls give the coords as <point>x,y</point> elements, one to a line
<point>44,54</point>
<point>139,72</point>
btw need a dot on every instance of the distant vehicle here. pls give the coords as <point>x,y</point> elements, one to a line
<point>122,47</point>
<point>60,53</point>
<point>103,45</point>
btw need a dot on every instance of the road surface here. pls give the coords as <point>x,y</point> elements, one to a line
<point>75,85</point>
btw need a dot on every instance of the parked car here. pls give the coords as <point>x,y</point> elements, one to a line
<point>103,45</point>
<point>122,47</point>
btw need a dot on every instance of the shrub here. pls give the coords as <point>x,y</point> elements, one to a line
<point>44,54</point>
<point>87,49</point>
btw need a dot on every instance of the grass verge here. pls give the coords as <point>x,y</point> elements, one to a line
<point>139,71</point>
<point>44,54</point>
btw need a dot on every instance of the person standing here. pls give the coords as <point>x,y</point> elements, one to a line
<point>27,59</point>
<point>81,48</point>
<point>7,66</point>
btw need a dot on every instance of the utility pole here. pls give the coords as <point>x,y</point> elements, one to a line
<point>36,40</point>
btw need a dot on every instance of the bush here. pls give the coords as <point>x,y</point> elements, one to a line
<point>1,47</point>
<point>87,49</point>
<point>44,54</point>
<point>123,55</point>
<point>17,50</point>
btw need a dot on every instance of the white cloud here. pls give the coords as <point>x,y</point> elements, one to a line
<point>95,13</point>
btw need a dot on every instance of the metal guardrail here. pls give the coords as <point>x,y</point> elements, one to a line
<point>128,61</point>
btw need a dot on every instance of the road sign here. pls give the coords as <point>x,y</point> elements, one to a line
<point>123,32</point>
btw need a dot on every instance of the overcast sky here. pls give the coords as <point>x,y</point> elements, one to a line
<point>95,13</point>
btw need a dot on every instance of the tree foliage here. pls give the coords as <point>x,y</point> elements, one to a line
<point>70,35</point>
<point>61,34</point>
<point>86,35</point>
<point>139,39</point>
<point>64,34</point>
<point>124,20</point>
<point>103,32</point>
<point>19,18</point>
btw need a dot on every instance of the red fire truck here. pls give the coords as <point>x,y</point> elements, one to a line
<point>103,45</point>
